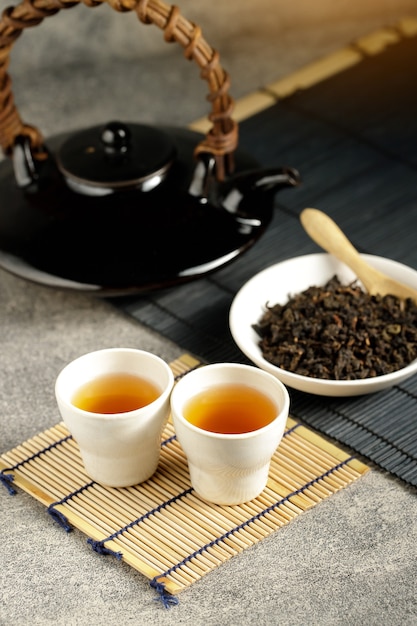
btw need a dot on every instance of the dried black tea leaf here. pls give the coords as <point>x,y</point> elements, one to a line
<point>339,332</point>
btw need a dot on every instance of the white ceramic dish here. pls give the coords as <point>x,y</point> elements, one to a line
<point>276,284</point>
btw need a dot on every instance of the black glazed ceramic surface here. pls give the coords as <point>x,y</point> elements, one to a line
<point>122,240</point>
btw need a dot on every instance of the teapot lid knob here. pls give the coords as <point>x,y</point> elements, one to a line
<point>103,159</point>
<point>116,138</point>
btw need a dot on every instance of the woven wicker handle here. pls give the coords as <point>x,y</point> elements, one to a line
<point>220,141</point>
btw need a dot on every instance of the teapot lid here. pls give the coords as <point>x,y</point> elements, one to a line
<point>103,159</point>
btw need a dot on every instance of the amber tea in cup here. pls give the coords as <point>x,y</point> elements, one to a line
<point>115,393</point>
<point>230,408</point>
<point>229,419</point>
<point>115,403</point>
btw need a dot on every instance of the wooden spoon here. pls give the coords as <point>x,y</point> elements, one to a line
<point>323,230</point>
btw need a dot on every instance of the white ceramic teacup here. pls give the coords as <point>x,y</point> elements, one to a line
<point>228,468</point>
<point>118,449</point>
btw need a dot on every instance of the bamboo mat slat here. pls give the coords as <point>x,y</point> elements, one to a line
<point>161,527</point>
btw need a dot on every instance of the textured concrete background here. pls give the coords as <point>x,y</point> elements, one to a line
<point>88,65</point>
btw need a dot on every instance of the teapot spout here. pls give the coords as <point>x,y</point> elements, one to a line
<point>244,189</point>
<point>274,179</point>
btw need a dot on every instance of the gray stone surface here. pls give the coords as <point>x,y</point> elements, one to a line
<point>352,559</point>
<point>85,66</point>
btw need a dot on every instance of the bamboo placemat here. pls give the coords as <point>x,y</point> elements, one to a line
<point>161,527</point>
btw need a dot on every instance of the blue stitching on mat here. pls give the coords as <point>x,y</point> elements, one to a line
<point>7,479</point>
<point>98,546</point>
<point>155,583</point>
<point>60,517</point>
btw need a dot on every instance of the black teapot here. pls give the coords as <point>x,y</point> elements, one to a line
<point>123,207</point>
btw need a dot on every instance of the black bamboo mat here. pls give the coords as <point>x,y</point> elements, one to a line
<point>353,137</point>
